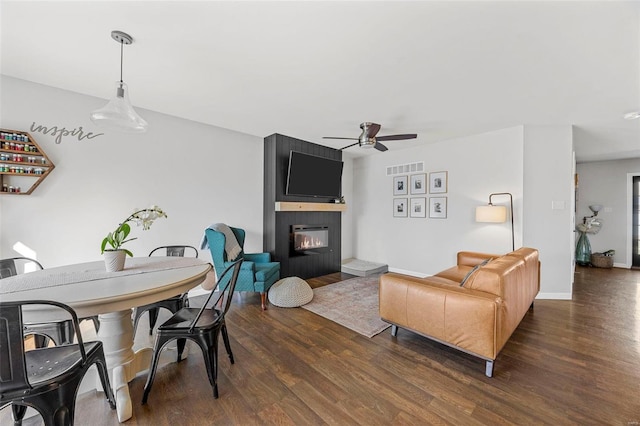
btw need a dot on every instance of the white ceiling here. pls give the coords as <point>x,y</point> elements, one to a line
<point>313,68</point>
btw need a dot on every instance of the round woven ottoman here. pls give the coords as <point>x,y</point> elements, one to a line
<point>290,292</point>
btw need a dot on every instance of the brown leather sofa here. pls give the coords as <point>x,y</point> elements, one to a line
<point>477,317</point>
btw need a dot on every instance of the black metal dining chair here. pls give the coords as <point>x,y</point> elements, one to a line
<point>201,325</point>
<point>46,379</point>
<point>173,304</point>
<point>58,331</point>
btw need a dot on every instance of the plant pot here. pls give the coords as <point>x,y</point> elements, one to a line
<point>114,260</point>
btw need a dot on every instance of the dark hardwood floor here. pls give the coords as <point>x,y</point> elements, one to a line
<point>568,363</point>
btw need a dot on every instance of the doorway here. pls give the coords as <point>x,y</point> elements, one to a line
<point>635,223</point>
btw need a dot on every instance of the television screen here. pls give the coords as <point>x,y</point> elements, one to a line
<point>313,176</point>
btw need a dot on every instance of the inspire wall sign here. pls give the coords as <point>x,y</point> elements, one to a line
<point>60,132</point>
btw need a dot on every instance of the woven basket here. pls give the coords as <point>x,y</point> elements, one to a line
<point>601,261</point>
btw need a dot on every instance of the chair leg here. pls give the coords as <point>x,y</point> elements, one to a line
<point>181,344</point>
<point>210,354</point>
<point>263,300</point>
<point>18,413</point>
<point>106,386</point>
<point>60,411</point>
<point>160,342</point>
<point>96,323</point>
<point>40,341</point>
<point>227,345</point>
<point>153,317</point>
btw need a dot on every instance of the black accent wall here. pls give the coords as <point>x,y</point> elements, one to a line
<point>277,225</point>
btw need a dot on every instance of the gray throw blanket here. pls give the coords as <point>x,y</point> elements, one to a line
<point>231,246</point>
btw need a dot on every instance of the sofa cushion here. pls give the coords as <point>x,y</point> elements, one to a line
<point>491,277</point>
<point>472,271</point>
<point>470,258</point>
<point>457,273</point>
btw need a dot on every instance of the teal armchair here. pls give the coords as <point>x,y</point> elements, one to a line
<point>257,273</point>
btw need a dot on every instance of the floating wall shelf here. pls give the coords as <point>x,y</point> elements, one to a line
<point>283,206</point>
<point>22,162</point>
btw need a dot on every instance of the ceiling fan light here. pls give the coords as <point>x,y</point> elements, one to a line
<point>367,142</point>
<point>119,114</point>
<point>632,115</point>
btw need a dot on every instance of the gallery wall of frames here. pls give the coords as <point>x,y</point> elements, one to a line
<point>421,195</point>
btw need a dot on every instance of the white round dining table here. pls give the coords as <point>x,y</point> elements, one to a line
<point>90,290</point>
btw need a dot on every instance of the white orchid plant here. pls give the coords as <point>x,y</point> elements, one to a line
<point>117,238</point>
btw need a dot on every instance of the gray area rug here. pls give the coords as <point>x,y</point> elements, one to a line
<point>351,303</point>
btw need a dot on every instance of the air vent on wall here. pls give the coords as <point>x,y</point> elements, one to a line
<point>405,168</point>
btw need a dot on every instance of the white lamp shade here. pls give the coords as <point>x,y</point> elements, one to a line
<point>493,214</point>
<point>118,114</point>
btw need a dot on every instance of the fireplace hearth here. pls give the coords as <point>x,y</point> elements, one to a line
<point>309,240</point>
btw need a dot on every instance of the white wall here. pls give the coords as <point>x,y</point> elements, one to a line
<point>197,173</point>
<point>534,163</point>
<point>477,166</point>
<point>202,174</point>
<point>548,207</point>
<point>605,182</point>
<point>347,248</point>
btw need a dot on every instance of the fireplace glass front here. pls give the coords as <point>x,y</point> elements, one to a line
<point>309,239</point>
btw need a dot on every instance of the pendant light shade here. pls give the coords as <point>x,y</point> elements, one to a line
<point>119,114</point>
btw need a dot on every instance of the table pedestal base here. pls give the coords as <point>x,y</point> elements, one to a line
<point>116,334</point>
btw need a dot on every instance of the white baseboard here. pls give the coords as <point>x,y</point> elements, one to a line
<point>554,296</point>
<point>410,273</point>
<point>621,265</point>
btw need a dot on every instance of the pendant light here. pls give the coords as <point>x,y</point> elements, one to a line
<point>118,114</point>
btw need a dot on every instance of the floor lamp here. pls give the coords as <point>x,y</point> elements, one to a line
<point>496,214</point>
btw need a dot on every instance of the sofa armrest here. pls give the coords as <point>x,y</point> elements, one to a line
<point>439,308</point>
<point>258,257</point>
<point>471,258</point>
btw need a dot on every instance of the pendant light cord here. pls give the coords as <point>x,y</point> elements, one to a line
<point>121,56</point>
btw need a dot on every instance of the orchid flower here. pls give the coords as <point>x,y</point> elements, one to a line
<point>144,217</point>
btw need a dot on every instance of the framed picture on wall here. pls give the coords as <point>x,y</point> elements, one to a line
<point>438,182</point>
<point>400,207</point>
<point>418,184</point>
<point>418,207</point>
<point>400,185</point>
<point>438,207</point>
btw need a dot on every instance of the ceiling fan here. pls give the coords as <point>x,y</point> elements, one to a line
<point>368,139</point>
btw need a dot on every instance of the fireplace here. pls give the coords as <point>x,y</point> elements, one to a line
<point>309,239</point>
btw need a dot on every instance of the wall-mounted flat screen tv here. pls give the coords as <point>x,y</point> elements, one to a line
<point>313,176</point>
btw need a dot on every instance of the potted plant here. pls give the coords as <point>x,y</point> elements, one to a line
<point>114,257</point>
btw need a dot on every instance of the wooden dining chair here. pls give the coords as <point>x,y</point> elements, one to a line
<point>173,304</point>
<point>58,331</point>
<point>202,326</point>
<point>46,379</point>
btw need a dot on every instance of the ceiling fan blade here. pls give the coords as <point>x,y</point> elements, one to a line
<point>336,137</point>
<point>349,146</point>
<point>380,147</point>
<point>373,129</point>
<point>397,137</point>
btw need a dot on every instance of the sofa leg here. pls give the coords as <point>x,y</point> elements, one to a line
<point>488,371</point>
<point>531,307</point>
<point>394,330</point>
